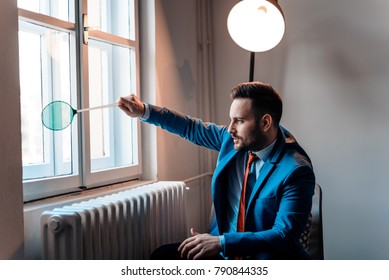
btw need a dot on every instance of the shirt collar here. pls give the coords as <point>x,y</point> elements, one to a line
<point>265,152</point>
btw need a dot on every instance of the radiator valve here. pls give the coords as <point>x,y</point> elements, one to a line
<point>55,224</point>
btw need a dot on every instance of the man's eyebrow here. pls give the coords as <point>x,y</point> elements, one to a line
<point>238,118</point>
<point>245,116</point>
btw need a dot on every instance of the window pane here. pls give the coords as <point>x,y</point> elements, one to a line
<point>45,75</point>
<point>31,99</point>
<point>113,134</point>
<point>56,8</point>
<point>115,17</point>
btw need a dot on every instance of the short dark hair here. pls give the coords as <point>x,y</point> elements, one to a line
<point>264,98</point>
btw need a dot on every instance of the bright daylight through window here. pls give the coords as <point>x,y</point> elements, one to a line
<point>84,53</point>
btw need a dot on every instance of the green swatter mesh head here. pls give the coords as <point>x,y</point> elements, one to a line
<point>57,115</point>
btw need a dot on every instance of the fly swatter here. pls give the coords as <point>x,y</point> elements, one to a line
<point>58,115</point>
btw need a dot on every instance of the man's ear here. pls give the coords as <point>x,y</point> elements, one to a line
<point>266,122</point>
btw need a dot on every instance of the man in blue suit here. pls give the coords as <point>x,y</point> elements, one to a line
<point>280,184</point>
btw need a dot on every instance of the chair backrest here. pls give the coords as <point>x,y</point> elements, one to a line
<point>312,237</point>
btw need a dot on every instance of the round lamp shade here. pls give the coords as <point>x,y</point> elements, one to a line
<point>256,25</point>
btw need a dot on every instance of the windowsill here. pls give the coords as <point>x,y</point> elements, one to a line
<point>83,195</point>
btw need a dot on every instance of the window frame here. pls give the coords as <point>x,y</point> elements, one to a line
<point>83,177</point>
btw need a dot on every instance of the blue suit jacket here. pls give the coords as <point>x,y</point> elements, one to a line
<point>280,202</point>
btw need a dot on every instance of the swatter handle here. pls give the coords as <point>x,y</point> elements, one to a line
<point>98,107</point>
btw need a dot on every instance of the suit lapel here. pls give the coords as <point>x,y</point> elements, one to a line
<point>216,183</point>
<point>263,174</point>
<point>223,163</point>
<point>268,166</point>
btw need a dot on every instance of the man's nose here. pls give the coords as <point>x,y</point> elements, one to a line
<point>231,128</point>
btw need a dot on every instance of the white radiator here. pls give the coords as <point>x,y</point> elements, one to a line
<point>126,225</point>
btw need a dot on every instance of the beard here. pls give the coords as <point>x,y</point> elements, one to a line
<point>255,141</point>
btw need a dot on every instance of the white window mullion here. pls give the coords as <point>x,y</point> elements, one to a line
<point>111,38</point>
<point>83,97</point>
<point>45,20</point>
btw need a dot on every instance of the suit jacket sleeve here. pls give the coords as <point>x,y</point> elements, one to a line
<point>201,133</point>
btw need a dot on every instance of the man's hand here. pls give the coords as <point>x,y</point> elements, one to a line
<point>200,246</point>
<point>132,106</point>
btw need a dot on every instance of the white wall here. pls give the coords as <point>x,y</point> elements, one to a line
<point>178,84</point>
<point>332,69</point>
<point>11,203</point>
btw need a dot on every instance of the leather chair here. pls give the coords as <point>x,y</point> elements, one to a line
<point>312,237</point>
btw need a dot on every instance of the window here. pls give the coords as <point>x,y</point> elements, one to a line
<point>84,53</point>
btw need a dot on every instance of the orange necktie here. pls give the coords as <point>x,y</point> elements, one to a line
<point>242,204</point>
